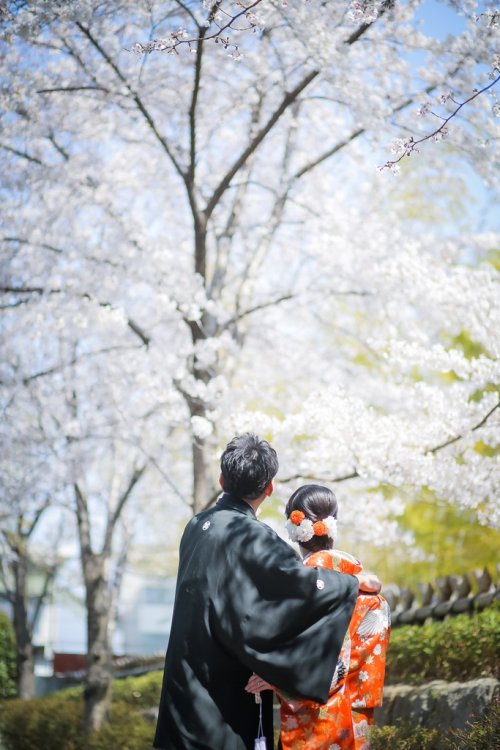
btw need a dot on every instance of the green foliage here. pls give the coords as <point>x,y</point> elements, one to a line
<point>412,202</point>
<point>451,541</point>
<point>7,658</point>
<point>139,692</point>
<point>56,721</point>
<point>126,730</point>
<point>493,257</point>
<point>460,648</point>
<point>42,724</point>
<point>480,734</point>
<point>404,737</point>
<point>469,347</point>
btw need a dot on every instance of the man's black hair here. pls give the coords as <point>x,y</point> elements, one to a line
<point>247,465</point>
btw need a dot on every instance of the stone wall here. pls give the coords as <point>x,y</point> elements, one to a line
<point>437,704</point>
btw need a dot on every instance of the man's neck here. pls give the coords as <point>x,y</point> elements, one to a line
<point>255,503</point>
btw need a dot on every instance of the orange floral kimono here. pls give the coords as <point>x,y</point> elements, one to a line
<point>357,685</point>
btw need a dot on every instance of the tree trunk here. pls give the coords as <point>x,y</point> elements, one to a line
<point>202,491</point>
<point>97,694</point>
<point>24,647</point>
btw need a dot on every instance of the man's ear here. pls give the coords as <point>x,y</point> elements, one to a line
<point>269,489</point>
<point>221,481</point>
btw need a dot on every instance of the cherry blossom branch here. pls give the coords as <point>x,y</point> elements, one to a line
<point>64,365</point>
<point>284,298</point>
<point>355,473</point>
<point>459,437</point>
<point>177,38</point>
<point>136,98</point>
<point>410,145</point>
<point>328,480</point>
<point>287,100</point>
<point>256,308</point>
<point>134,327</point>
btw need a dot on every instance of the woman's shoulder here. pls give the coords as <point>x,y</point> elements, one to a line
<point>344,562</point>
<point>334,559</point>
<point>321,559</point>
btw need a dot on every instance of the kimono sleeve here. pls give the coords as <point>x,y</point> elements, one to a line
<point>369,642</point>
<point>282,620</point>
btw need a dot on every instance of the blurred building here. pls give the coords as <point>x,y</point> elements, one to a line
<point>141,631</point>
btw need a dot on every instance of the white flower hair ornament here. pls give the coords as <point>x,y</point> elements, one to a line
<point>302,529</point>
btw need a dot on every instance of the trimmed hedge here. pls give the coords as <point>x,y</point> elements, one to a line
<point>42,723</point>
<point>55,721</point>
<point>7,658</point>
<point>140,692</point>
<point>460,648</point>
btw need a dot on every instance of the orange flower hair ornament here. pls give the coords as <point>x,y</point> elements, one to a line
<point>302,529</point>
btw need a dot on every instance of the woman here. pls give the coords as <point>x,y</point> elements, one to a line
<point>357,685</point>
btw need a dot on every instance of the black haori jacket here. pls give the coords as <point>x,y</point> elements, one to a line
<point>245,603</point>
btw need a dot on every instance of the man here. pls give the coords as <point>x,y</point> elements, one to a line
<point>245,603</point>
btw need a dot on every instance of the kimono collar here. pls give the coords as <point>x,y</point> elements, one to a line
<point>229,502</point>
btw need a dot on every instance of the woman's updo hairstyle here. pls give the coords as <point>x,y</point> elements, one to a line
<point>316,502</point>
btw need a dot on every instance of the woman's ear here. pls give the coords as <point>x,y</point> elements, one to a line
<point>221,481</point>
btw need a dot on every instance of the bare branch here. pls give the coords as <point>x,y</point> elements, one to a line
<point>23,241</point>
<point>38,514</point>
<point>22,154</point>
<point>40,600</point>
<point>146,340</point>
<point>26,290</point>
<point>212,500</point>
<point>112,520</point>
<point>71,89</point>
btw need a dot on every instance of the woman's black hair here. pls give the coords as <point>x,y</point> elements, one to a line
<point>316,502</point>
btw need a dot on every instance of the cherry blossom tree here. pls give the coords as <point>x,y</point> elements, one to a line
<point>422,323</point>
<point>185,247</point>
